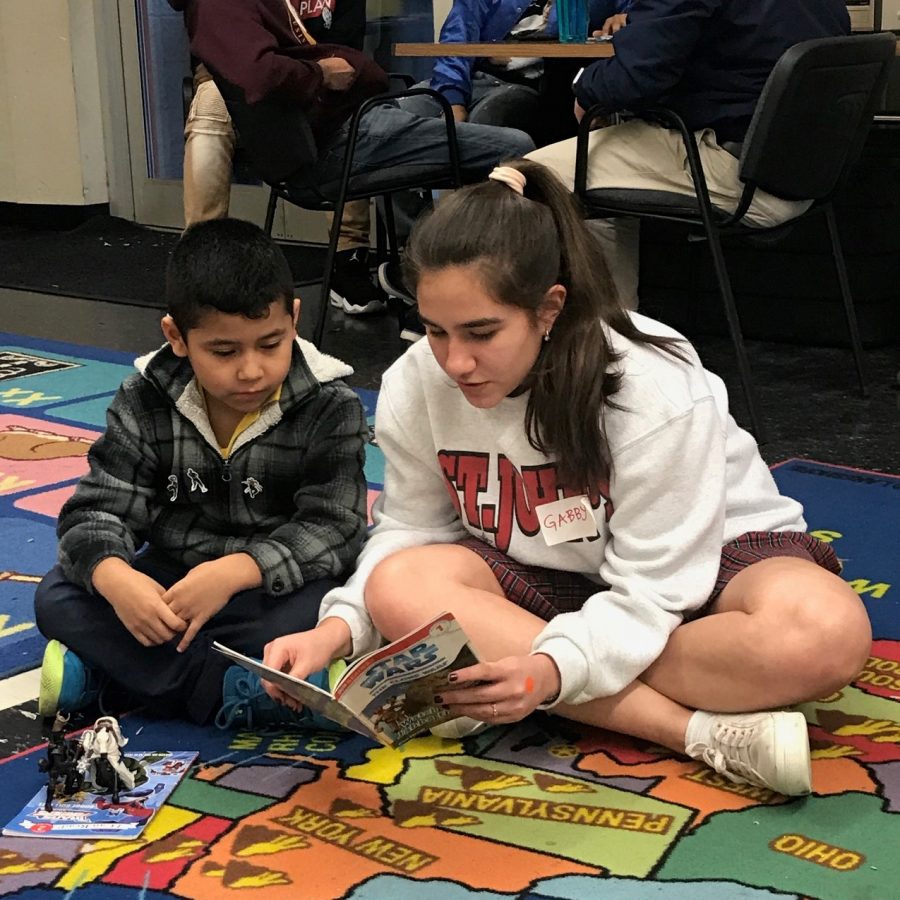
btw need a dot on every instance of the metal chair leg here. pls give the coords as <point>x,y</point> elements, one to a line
<point>849,309</point>
<point>319,331</point>
<point>391,226</point>
<point>270,212</point>
<point>381,240</point>
<point>715,246</point>
<point>737,336</point>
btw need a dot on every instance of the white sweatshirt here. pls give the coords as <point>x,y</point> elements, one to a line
<point>685,480</point>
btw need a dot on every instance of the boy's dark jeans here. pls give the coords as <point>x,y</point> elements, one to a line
<point>169,683</point>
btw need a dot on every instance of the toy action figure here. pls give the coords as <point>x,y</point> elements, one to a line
<point>64,777</point>
<point>101,761</point>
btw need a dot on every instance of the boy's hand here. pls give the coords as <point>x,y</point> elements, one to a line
<point>510,688</point>
<point>207,588</point>
<point>138,602</point>
<point>305,652</point>
<point>337,73</point>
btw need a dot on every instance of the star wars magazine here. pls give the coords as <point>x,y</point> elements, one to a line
<point>86,814</point>
<point>386,695</point>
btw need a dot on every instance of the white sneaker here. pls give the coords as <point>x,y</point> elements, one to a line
<point>458,728</point>
<point>356,309</point>
<point>770,749</point>
<point>352,288</point>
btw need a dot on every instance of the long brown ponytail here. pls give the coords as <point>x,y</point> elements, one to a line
<point>522,245</point>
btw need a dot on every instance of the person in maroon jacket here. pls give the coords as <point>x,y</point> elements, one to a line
<point>209,153</point>
<point>275,48</point>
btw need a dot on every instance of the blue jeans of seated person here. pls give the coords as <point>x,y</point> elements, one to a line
<point>391,137</point>
<point>493,102</point>
<point>394,135</point>
<point>169,683</point>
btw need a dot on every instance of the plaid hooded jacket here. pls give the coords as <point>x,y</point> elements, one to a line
<point>292,493</point>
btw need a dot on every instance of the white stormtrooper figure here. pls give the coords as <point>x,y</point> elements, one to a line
<point>101,760</point>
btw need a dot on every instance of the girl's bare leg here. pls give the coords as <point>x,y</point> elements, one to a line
<point>783,631</point>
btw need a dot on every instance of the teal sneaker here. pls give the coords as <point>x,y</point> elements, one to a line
<point>67,684</point>
<point>246,705</point>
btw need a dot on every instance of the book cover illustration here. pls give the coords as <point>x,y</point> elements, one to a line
<point>393,688</point>
<point>386,695</point>
<point>94,815</point>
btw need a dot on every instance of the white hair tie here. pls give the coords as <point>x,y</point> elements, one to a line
<point>510,177</point>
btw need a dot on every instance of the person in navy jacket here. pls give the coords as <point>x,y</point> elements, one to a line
<point>707,60</point>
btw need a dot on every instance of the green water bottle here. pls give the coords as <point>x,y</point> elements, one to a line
<point>572,16</point>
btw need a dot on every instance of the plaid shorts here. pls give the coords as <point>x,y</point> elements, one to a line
<point>547,592</point>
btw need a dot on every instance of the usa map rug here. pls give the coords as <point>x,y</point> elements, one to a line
<point>53,401</point>
<point>540,810</point>
<point>545,810</point>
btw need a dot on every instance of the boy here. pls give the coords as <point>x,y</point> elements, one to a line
<point>238,460</point>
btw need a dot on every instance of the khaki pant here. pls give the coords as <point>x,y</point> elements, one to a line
<point>208,154</point>
<point>636,154</point>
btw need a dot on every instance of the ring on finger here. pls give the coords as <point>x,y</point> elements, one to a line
<point>493,710</point>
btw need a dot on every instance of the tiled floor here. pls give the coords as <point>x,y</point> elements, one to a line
<point>807,395</point>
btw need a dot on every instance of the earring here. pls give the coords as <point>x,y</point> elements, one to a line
<point>547,335</point>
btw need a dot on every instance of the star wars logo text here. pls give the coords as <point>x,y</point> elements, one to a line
<point>401,664</point>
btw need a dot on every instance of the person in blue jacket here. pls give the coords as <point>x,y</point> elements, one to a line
<point>708,60</point>
<point>526,93</point>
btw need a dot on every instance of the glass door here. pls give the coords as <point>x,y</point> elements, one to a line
<point>155,62</point>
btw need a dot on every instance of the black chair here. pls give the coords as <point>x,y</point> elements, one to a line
<point>187,97</point>
<point>280,148</point>
<point>808,130</point>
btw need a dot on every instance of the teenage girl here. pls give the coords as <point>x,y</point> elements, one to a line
<point>565,477</point>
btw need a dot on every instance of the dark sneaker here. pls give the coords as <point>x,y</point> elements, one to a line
<point>352,287</point>
<point>411,327</point>
<point>67,684</point>
<point>390,279</point>
<point>246,705</point>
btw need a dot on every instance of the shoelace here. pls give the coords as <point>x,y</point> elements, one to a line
<point>244,705</point>
<point>737,768</point>
<point>235,707</point>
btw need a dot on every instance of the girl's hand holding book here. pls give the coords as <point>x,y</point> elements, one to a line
<point>503,691</point>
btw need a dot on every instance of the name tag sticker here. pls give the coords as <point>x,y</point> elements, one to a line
<point>568,519</point>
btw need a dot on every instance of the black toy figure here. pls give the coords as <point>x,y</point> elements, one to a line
<point>61,763</point>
